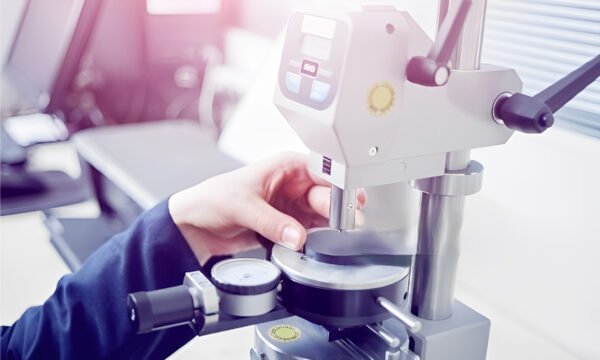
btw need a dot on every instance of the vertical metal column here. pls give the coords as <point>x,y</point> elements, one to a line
<point>441,216</point>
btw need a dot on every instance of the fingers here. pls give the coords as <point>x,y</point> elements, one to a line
<point>361,198</point>
<point>316,179</point>
<point>273,224</point>
<point>359,219</point>
<point>318,199</point>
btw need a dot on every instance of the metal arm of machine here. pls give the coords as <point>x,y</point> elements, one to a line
<point>242,292</point>
<point>433,70</point>
<point>174,306</point>
<point>407,319</point>
<point>535,114</point>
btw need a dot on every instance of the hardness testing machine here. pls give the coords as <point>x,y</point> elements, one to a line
<point>377,102</point>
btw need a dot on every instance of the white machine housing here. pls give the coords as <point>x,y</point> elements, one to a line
<point>343,89</point>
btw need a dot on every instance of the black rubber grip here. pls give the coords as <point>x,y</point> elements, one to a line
<point>525,114</point>
<point>152,310</point>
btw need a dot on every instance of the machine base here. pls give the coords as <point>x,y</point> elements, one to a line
<point>294,338</point>
<point>464,336</point>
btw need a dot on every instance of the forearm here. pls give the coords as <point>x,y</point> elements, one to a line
<point>86,316</point>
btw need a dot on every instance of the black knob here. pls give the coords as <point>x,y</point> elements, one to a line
<point>433,70</point>
<point>427,72</point>
<point>157,309</point>
<point>525,114</point>
<point>534,114</point>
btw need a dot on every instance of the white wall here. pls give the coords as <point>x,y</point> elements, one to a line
<point>531,241</point>
<point>10,14</point>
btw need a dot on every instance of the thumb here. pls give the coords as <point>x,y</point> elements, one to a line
<point>275,225</point>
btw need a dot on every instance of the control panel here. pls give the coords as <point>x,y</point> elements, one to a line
<point>343,88</point>
<point>312,59</point>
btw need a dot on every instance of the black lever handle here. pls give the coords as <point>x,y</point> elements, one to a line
<point>536,114</point>
<point>153,310</point>
<point>433,70</point>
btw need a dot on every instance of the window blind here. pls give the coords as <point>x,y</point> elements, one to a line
<point>545,40</point>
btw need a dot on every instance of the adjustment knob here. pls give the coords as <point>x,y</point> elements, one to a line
<point>433,70</point>
<point>427,72</point>
<point>153,310</point>
<point>523,113</point>
<point>534,114</point>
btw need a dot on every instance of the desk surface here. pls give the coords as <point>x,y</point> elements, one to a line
<point>30,268</point>
<point>130,155</point>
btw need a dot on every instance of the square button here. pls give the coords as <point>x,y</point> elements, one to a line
<point>292,82</point>
<point>319,91</point>
<point>309,68</point>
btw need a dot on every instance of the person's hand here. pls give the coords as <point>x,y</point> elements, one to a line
<point>277,198</point>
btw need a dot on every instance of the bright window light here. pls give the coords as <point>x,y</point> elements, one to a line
<point>182,7</point>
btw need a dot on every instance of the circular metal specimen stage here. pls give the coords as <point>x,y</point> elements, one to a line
<point>337,295</point>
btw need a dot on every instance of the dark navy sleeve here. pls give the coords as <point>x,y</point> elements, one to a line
<point>86,317</point>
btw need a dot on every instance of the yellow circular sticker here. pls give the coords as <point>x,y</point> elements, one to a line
<point>285,333</point>
<point>381,98</point>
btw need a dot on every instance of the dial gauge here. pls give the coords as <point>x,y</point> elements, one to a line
<point>245,276</point>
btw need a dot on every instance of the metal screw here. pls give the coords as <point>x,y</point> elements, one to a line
<point>349,206</point>
<point>373,151</point>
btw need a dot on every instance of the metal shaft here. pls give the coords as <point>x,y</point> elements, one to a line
<point>468,49</point>
<point>441,216</point>
<point>437,256</point>
<point>387,337</point>
<point>411,324</point>
<point>342,208</point>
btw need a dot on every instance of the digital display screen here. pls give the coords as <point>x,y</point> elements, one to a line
<point>182,7</point>
<point>319,26</point>
<point>315,46</point>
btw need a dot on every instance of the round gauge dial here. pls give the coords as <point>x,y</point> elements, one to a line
<point>245,276</point>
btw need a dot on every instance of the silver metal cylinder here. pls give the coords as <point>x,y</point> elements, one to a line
<point>441,216</point>
<point>386,336</point>
<point>247,305</point>
<point>342,209</point>
<point>458,160</point>
<point>411,324</point>
<point>468,49</point>
<point>437,256</point>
